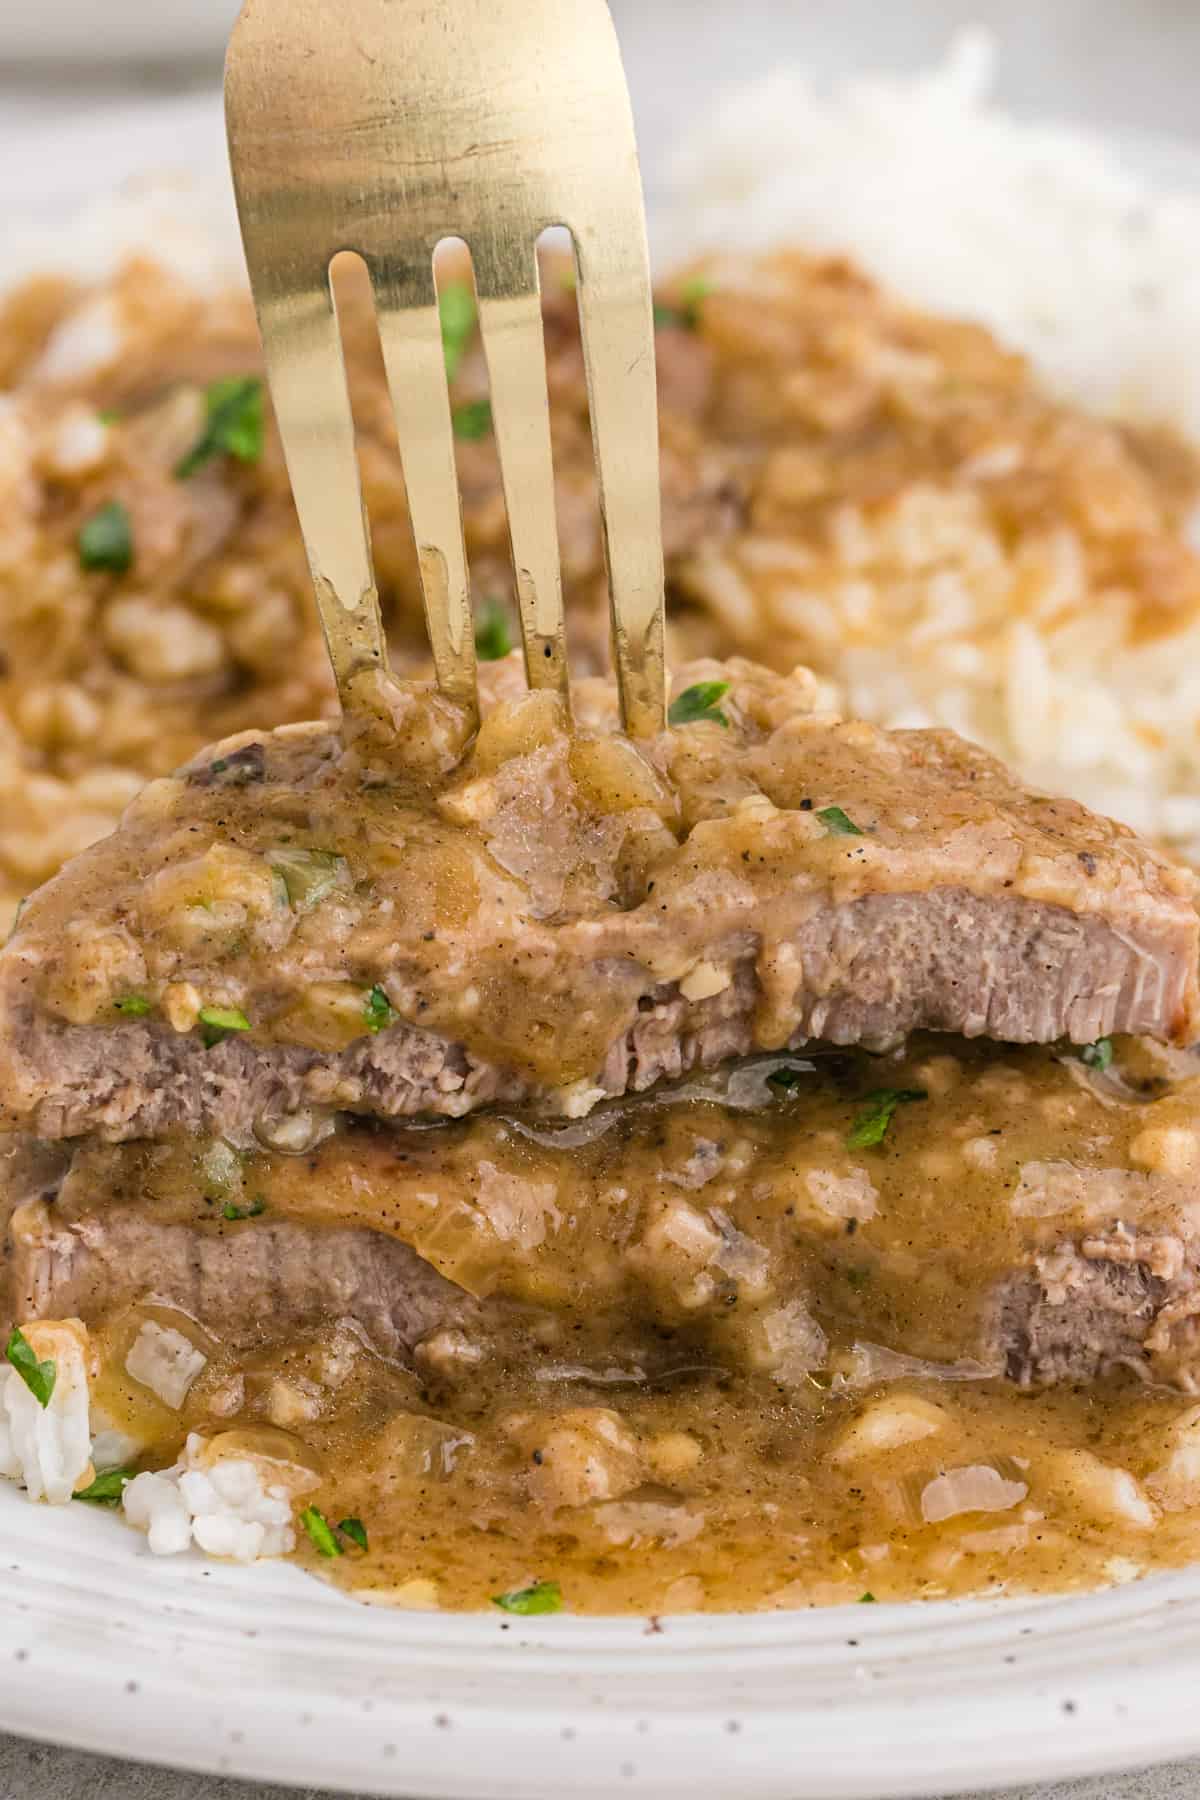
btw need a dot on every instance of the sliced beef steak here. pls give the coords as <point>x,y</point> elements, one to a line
<point>418,922</point>
<point>70,1251</point>
<point>1111,1279</point>
<point>735,1220</point>
<point>243,1286</point>
<point>1040,1335</point>
<point>1071,1314</point>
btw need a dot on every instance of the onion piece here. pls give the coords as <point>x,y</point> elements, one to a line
<point>870,1363</point>
<point>976,1487</point>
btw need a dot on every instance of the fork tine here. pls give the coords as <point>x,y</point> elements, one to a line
<point>617,324</point>
<point>411,337</point>
<point>510,321</point>
<point>302,346</point>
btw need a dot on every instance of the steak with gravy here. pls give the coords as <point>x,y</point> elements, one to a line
<point>409,921</point>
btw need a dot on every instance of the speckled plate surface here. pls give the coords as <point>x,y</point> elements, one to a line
<point>266,1673</point>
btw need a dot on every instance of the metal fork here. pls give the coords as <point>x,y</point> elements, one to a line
<point>384,127</point>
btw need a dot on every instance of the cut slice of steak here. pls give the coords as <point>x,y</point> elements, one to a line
<point>410,922</point>
<point>76,1254</point>
<point>1010,1210</point>
<point>1041,1335</point>
<point>1111,1278</point>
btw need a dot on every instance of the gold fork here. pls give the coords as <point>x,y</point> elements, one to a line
<point>383,127</point>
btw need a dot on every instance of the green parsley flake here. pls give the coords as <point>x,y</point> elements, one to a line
<point>308,875</point>
<point>867,1600</point>
<point>685,316</point>
<point>699,704</point>
<point>107,1489</point>
<point>1098,1055</point>
<point>540,1597</point>
<point>493,636</point>
<point>232,1212</point>
<point>695,289</point>
<point>320,1531</point>
<point>356,1531</point>
<point>838,823</point>
<point>217,1022</point>
<point>377,1010</point>
<point>233,427</point>
<point>457,314</point>
<point>473,419</point>
<point>870,1127</point>
<point>788,1076</point>
<point>134,1006</point>
<point>39,1377</point>
<point>105,540</point>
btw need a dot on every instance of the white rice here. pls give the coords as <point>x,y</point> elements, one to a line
<point>235,1507</point>
<point>1051,235</point>
<point>48,1448</point>
<point>1067,249</point>
<point>220,1496</point>
<point>186,224</point>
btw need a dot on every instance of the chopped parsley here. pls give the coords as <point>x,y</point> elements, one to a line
<point>356,1531</point>
<point>105,540</point>
<point>217,1022</point>
<point>233,426</point>
<point>39,1377</point>
<point>377,1009</point>
<point>493,636</point>
<point>838,823</point>
<point>237,769</point>
<point>107,1489</point>
<point>457,314</point>
<point>700,703</point>
<point>320,1531</point>
<point>232,1212</point>
<point>870,1127</point>
<point>109,415</point>
<point>134,1006</point>
<point>473,419</point>
<point>867,1599</point>
<point>539,1597</point>
<point>1098,1055</point>
<point>308,875</point>
<point>685,316</point>
<point>788,1076</point>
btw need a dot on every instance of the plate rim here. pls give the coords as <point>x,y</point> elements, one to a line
<point>267,1674</point>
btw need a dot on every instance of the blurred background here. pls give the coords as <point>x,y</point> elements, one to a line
<point>1127,63</point>
<point>88,107</point>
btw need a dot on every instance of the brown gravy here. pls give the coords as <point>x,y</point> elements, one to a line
<point>684,1382</point>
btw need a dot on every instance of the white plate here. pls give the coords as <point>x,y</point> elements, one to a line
<point>264,1673</point>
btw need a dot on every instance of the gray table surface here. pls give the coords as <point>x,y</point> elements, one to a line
<point>39,1772</point>
<point>1126,65</point>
